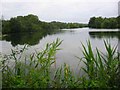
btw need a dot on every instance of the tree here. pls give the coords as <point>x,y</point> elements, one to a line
<point>91,23</point>
<point>31,23</point>
<point>15,26</point>
<point>118,21</point>
<point>99,22</point>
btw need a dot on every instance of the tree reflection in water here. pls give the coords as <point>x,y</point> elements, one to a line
<point>32,38</point>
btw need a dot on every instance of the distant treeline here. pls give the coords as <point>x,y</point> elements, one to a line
<point>31,23</point>
<point>108,23</point>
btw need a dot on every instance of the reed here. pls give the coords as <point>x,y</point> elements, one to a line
<point>101,69</point>
<point>32,73</point>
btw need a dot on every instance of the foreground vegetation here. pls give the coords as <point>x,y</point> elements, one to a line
<point>108,23</point>
<point>31,23</point>
<point>101,70</point>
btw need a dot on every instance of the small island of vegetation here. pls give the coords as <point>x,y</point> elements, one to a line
<point>107,23</point>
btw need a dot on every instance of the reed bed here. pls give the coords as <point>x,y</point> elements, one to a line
<point>102,70</point>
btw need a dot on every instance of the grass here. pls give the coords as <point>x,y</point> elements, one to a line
<point>101,71</point>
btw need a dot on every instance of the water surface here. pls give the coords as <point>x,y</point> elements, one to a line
<point>70,47</point>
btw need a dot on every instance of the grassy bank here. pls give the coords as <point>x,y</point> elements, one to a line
<point>101,71</point>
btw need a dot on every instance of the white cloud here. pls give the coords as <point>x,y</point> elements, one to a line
<point>61,10</point>
<point>60,0</point>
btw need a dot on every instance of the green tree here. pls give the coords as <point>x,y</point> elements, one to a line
<point>5,27</point>
<point>118,21</point>
<point>99,22</point>
<point>91,23</point>
<point>31,23</point>
<point>15,26</point>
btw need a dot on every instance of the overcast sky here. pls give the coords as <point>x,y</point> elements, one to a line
<point>60,10</point>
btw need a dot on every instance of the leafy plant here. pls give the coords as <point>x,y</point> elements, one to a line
<point>102,70</point>
<point>34,72</point>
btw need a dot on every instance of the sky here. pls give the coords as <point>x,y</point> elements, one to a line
<point>60,10</point>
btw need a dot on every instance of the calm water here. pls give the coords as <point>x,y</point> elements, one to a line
<point>71,46</point>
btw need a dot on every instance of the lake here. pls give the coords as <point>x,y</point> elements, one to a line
<point>70,47</point>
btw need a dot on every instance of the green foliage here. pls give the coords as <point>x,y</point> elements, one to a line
<point>99,22</point>
<point>118,20</point>
<point>32,73</point>
<point>31,23</point>
<point>101,71</point>
<point>5,26</point>
<point>19,24</point>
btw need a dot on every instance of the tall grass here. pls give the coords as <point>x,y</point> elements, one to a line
<point>34,72</point>
<point>102,70</point>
